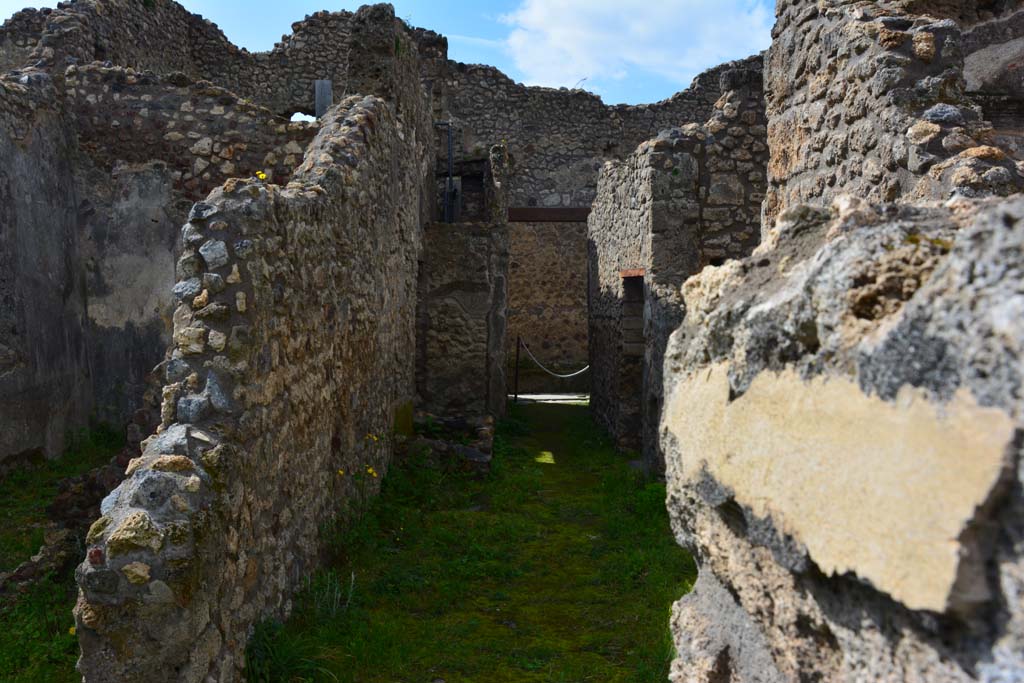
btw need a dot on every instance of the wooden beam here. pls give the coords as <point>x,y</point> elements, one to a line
<point>634,272</point>
<point>537,214</point>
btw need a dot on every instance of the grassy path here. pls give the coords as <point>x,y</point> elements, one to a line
<point>36,645</point>
<point>559,566</point>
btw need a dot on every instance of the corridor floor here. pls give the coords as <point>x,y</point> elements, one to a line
<point>557,566</point>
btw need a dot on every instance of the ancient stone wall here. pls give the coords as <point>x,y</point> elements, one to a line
<point>203,131</point>
<point>558,138</point>
<point>866,100</point>
<point>843,440</point>
<point>151,146</point>
<point>688,198</point>
<point>19,36</point>
<point>547,303</point>
<point>130,220</point>
<point>161,36</point>
<point>293,353</point>
<point>618,235</point>
<point>152,143</point>
<point>994,75</point>
<point>44,378</point>
<point>461,321</point>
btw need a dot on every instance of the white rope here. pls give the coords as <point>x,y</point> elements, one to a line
<point>553,374</point>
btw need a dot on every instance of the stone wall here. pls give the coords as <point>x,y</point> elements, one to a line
<point>150,143</point>
<point>547,303</point>
<point>557,138</point>
<point>204,132</point>
<point>866,98</point>
<point>688,198</point>
<point>19,36</point>
<point>843,440</point>
<point>293,353</point>
<point>44,378</point>
<point>161,36</point>
<point>463,300</point>
<point>151,146</point>
<point>130,220</point>
<point>994,75</point>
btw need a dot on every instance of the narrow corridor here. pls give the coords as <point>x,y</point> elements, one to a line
<point>557,566</point>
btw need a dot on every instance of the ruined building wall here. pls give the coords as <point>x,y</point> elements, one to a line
<point>547,304</point>
<point>841,424</point>
<point>463,301</point>
<point>618,240</point>
<point>19,36</point>
<point>293,354</point>
<point>151,146</point>
<point>994,75</point>
<point>163,37</point>
<point>44,380</point>
<point>690,197</point>
<point>205,132</point>
<point>864,100</point>
<point>842,433</point>
<point>558,139</point>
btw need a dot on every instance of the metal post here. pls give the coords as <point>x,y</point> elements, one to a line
<point>451,177</point>
<point>324,94</point>
<point>449,184</point>
<point>519,342</point>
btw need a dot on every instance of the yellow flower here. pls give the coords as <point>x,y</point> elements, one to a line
<point>72,630</point>
<point>261,175</point>
<point>341,473</point>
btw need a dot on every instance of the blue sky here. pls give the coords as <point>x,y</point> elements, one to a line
<point>624,50</point>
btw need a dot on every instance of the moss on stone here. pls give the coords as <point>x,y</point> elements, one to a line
<point>135,532</point>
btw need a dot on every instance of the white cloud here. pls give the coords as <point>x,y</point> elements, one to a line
<point>559,43</point>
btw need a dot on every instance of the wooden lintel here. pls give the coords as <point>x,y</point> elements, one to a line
<point>537,214</point>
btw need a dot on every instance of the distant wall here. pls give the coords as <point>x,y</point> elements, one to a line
<point>558,139</point>
<point>686,199</point>
<point>994,74</point>
<point>548,302</point>
<point>44,377</point>
<point>204,132</point>
<point>287,370</point>
<point>463,299</point>
<point>163,37</point>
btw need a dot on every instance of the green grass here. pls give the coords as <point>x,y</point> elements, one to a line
<point>26,492</point>
<point>559,566</point>
<point>35,644</point>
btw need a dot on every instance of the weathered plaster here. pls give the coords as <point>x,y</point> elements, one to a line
<point>880,489</point>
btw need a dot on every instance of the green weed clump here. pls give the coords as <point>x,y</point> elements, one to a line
<point>37,642</point>
<point>559,566</point>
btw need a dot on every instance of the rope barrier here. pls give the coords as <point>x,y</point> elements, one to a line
<point>553,374</point>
